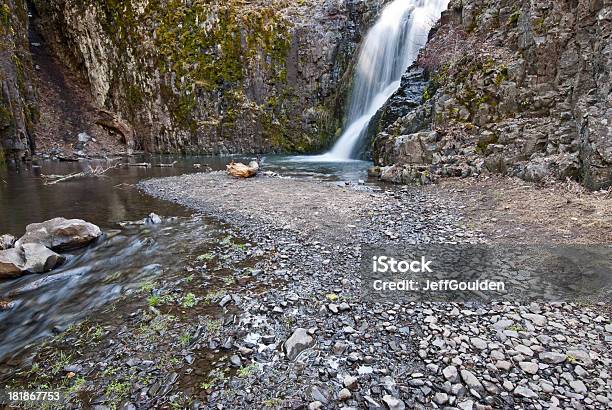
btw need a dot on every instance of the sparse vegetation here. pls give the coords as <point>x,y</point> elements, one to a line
<point>189,301</point>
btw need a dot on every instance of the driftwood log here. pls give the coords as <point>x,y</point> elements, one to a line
<point>240,170</point>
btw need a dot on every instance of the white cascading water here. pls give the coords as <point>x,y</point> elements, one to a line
<point>387,52</point>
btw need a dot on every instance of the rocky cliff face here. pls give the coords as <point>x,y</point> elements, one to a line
<point>17,96</point>
<point>521,88</point>
<point>213,77</point>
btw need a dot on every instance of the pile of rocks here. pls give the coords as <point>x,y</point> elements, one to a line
<point>36,251</point>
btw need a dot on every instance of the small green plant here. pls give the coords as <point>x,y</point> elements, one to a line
<point>571,359</point>
<point>60,362</point>
<point>206,257</point>
<point>207,384</point>
<point>35,369</point>
<point>216,376</point>
<point>185,339</point>
<point>239,246</point>
<point>117,391</point>
<point>246,371</point>
<point>109,371</point>
<point>98,331</point>
<point>229,280</point>
<point>213,326</point>
<point>77,385</point>
<point>332,297</point>
<point>213,296</point>
<point>153,300</point>
<point>147,287</point>
<point>273,403</point>
<point>5,14</point>
<point>516,328</point>
<point>189,301</point>
<point>514,17</point>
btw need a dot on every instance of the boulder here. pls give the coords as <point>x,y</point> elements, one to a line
<point>40,259</point>
<point>299,341</point>
<point>11,263</point>
<point>6,242</point>
<point>60,234</point>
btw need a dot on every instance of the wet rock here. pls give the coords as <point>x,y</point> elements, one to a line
<point>40,259</point>
<point>393,403</point>
<point>6,305</point>
<point>11,263</point>
<point>299,341</point>
<point>6,242</point>
<point>153,219</point>
<point>60,234</point>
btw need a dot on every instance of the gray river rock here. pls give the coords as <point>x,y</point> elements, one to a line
<point>60,234</point>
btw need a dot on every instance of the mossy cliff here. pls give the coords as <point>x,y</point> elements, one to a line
<point>213,76</point>
<point>17,96</point>
<point>521,88</point>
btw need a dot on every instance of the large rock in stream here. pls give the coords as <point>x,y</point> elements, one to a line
<point>11,263</point>
<point>6,242</point>
<point>40,259</point>
<point>60,234</point>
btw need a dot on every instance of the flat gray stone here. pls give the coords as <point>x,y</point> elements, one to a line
<point>552,357</point>
<point>299,341</point>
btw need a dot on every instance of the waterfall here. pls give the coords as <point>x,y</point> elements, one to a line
<point>390,46</point>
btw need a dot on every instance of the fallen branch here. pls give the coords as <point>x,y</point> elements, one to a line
<point>91,172</point>
<point>167,165</point>
<point>139,164</point>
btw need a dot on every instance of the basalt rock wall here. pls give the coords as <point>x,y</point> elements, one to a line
<point>18,111</point>
<point>192,76</point>
<point>520,88</point>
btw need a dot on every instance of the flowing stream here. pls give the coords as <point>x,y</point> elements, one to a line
<point>126,257</point>
<point>389,48</point>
